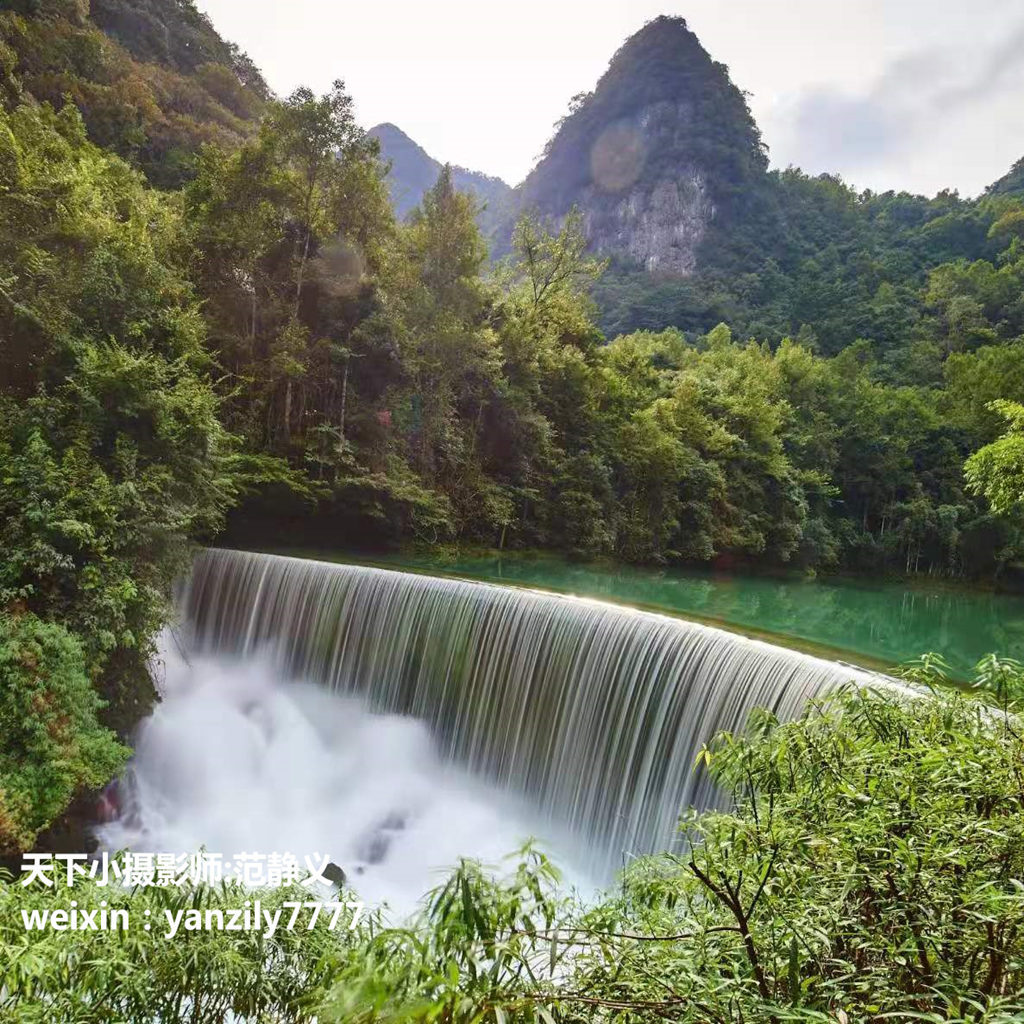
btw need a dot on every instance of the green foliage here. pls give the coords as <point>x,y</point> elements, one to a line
<point>385,386</point>
<point>112,456</point>
<point>491,411</point>
<point>998,679</point>
<point>289,236</point>
<point>865,872</point>
<point>110,446</point>
<point>997,470</point>
<point>807,398</point>
<point>880,431</point>
<point>1012,182</point>
<point>471,952</point>
<point>153,89</point>
<point>53,746</point>
<point>811,254</point>
<point>105,480</point>
<point>866,869</point>
<point>135,974</point>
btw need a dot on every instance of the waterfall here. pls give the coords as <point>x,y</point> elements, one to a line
<point>594,712</point>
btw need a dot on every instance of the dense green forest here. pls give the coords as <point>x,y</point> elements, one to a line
<point>211,318</point>
<point>807,399</point>
<point>422,394</point>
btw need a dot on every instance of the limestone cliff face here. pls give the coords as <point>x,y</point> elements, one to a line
<point>655,157</point>
<point>659,221</point>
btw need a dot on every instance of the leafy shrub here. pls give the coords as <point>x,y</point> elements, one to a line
<point>52,745</point>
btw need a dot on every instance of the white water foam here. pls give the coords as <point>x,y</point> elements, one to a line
<point>237,758</point>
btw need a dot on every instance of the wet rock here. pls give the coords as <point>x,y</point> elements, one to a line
<point>108,804</point>
<point>334,874</point>
<point>373,848</point>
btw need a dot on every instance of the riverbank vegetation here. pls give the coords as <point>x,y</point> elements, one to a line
<point>866,869</point>
<point>417,394</point>
<point>112,456</point>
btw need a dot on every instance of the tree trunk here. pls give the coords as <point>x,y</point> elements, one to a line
<point>344,398</point>
<point>302,271</point>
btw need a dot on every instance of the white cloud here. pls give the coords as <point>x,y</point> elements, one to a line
<point>932,118</point>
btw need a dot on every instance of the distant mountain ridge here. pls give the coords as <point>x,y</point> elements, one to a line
<point>662,147</point>
<point>413,171</point>
<point>662,157</point>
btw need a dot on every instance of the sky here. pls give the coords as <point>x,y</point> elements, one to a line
<point>919,95</point>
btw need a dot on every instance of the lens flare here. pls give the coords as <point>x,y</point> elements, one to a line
<point>617,158</point>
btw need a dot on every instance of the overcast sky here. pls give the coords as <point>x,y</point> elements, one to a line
<point>906,94</point>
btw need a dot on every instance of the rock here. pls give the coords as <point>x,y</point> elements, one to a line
<point>334,875</point>
<point>373,848</point>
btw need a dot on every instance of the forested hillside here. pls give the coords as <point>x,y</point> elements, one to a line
<point>206,298</point>
<point>670,174</point>
<point>152,79</point>
<point>384,382</point>
<point>820,258</point>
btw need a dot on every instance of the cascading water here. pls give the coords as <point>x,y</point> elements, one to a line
<point>592,713</point>
<point>239,758</point>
